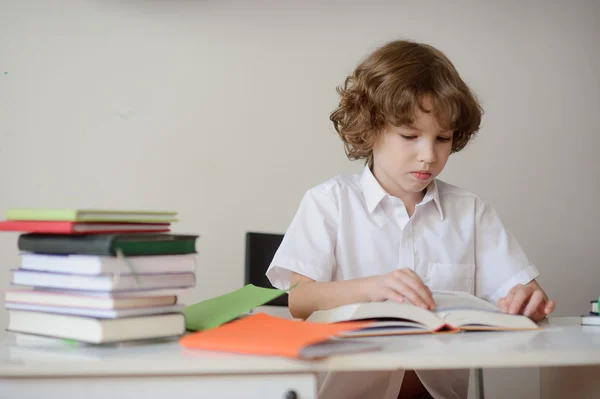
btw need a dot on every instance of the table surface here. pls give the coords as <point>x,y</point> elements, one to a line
<point>561,342</point>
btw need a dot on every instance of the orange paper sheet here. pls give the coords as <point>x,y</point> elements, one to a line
<point>262,334</point>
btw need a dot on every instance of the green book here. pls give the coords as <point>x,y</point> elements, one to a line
<point>213,312</point>
<point>130,244</point>
<point>91,215</point>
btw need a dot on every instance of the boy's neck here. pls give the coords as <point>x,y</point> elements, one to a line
<point>410,200</point>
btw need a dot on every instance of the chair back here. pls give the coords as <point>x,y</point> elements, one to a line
<point>260,249</point>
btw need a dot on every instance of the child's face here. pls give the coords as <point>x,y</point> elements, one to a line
<point>407,158</point>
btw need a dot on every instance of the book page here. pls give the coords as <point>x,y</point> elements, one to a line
<point>484,320</point>
<point>466,311</point>
<point>457,300</point>
<point>399,313</point>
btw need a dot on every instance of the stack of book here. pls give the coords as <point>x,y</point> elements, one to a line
<point>593,317</point>
<point>98,276</point>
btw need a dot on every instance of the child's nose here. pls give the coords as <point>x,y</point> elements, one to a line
<point>427,154</point>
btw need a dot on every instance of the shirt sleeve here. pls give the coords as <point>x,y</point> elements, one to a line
<point>500,260</point>
<point>308,247</point>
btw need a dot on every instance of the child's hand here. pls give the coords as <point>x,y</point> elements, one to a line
<point>399,285</point>
<point>529,300</point>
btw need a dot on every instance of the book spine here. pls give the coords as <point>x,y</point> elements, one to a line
<point>52,244</point>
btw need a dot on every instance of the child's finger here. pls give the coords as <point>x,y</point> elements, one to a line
<point>421,289</point>
<point>421,282</point>
<point>413,274</point>
<point>535,301</point>
<point>405,290</point>
<point>410,273</point>
<point>394,296</point>
<point>517,302</point>
<point>508,299</point>
<point>501,303</point>
<point>549,307</point>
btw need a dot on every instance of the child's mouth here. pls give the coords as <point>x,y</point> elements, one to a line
<point>422,175</point>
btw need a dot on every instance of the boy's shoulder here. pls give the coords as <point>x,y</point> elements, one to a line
<point>447,191</point>
<point>348,182</point>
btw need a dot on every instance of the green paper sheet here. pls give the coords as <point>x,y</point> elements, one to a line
<point>213,312</point>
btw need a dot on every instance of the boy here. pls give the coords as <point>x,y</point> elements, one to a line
<point>395,232</point>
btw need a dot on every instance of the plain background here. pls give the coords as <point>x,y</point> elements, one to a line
<point>219,110</point>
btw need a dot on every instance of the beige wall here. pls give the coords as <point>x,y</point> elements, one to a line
<point>219,110</point>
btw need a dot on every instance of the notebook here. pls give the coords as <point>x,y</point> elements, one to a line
<point>262,334</point>
<point>91,215</point>
<point>59,227</point>
<point>454,311</point>
<point>92,264</point>
<point>92,330</point>
<point>215,311</point>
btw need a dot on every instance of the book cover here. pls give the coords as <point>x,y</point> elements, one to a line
<point>131,244</point>
<point>66,227</point>
<point>219,310</point>
<point>262,334</point>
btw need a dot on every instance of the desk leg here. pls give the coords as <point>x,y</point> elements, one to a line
<point>479,392</point>
<point>570,382</point>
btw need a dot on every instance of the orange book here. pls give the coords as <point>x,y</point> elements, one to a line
<point>262,334</point>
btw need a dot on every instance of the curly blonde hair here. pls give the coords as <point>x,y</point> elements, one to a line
<point>389,85</point>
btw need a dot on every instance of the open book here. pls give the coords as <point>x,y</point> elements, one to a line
<point>454,311</point>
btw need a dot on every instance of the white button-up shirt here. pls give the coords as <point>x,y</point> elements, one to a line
<point>350,227</point>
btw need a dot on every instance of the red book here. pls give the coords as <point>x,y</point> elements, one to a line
<point>66,227</point>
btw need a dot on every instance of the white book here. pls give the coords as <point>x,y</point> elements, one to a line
<point>96,331</point>
<point>103,282</point>
<point>454,311</point>
<point>91,300</point>
<point>44,342</point>
<point>93,265</point>
<point>590,320</point>
<point>37,348</point>
<point>97,313</point>
<point>137,293</point>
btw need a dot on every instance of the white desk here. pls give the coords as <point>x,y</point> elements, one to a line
<point>167,370</point>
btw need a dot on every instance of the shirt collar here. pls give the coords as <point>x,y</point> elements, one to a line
<point>374,193</point>
<point>433,194</point>
<point>372,190</point>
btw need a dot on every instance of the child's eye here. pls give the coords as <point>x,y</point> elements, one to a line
<point>444,139</point>
<point>408,137</point>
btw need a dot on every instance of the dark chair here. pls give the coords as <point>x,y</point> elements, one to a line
<point>260,249</point>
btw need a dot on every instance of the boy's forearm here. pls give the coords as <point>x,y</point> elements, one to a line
<point>310,296</point>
